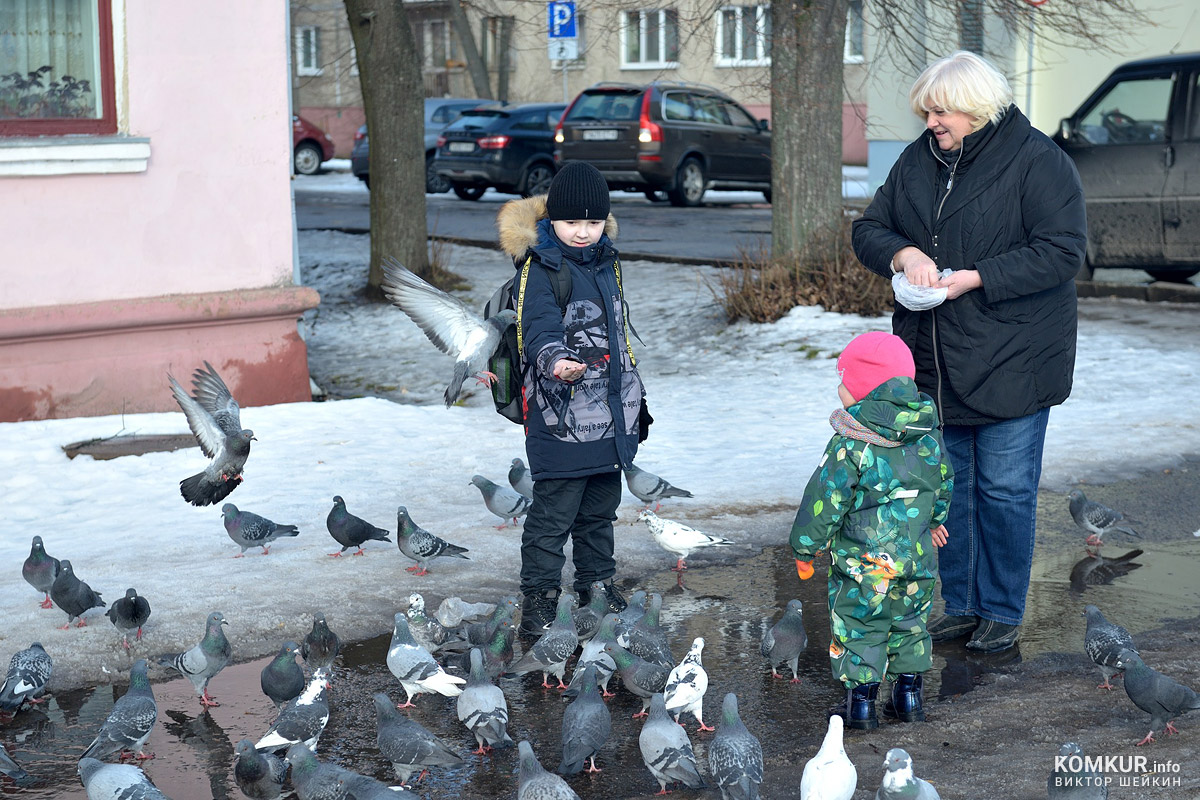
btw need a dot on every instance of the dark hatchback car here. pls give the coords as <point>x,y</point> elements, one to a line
<point>1136,144</point>
<point>510,149</point>
<point>678,138</point>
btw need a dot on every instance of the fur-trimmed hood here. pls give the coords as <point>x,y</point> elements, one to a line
<point>517,223</point>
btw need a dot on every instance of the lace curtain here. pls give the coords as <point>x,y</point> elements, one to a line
<point>49,59</point>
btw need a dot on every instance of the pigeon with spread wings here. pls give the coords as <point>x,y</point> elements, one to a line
<point>215,420</point>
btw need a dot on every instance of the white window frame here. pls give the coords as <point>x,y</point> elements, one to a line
<point>308,52</point>
<point>662,38</point>
<point>848,55</point>
<point>762,13</point>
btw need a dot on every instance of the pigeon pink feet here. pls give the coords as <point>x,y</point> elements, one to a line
<point>705,728</point>
<point>47,603</point>
<point>208,701</point>
<point>1149,738</point>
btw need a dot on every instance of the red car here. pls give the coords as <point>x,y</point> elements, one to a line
<point>311,147</point>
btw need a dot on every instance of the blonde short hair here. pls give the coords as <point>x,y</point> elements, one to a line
<point>962,81</point>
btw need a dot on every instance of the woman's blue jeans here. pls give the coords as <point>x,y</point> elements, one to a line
<point>985,564</point>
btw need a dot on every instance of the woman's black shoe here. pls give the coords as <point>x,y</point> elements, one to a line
<point>992,637</point>
<point>906,703</point>
<point>858,709</point>
<point>947,627</point>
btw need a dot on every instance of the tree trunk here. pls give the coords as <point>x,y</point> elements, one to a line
<point>393,99</point>
<point>475,66</point>
<point>502,58</point>
<point>806,123</point>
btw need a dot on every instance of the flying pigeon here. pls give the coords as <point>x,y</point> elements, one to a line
<point>1065,784</point>
<point>649,488</point>
<point>415,668</point>
<point>116,781</point>
<point>40,570</point>
<point>899,783</point>
<point>449,323</point>
<point>1161,697</point>
<point>260,776</point>
<point>483,709</point>
<point>686,685</point>
<point>735,759</point>
<point>25,682</point>
<point>250,530</point>
<point>73,595</point>
<point>427,632</point>
<point>129,613</point>
<point>215,420</point>
<point>502,501</point>
<point>301,720</point>
<point>519,479</point>
<point>316,780</point>
<point>320,647</point>
<point>282,679</point>
<point>1105,642</point>
<point>1097,519</point>
<point>205,659</point>
<point>647,638</point>
<point>679,539</point>
<point>129,723</point>
<point>407,744</point>
<point>1097,570</point>
<point>14,770</point>
<point>420,545</point>
<point>666,750</point>
<point>586,726</point>
<point>552,649</point>
<point>829,775</point>
<point>534,783</point>
<point>349,530</point>
<point>786,640</point>
<point>587,618</point>
<point>593,655</point>
<point>638,675</point>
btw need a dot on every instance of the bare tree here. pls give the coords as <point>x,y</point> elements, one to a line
<point>475,66</point>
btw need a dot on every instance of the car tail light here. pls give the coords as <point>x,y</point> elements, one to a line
<point>441,142</point>
<point>360,135</point>
<point>494,142</point>
<point>649,133</point>
<point>559,136</point>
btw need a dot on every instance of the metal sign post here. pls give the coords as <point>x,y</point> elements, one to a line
<point>561,30</point>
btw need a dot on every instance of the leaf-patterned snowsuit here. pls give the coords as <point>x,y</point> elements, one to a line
<point>882,484</point>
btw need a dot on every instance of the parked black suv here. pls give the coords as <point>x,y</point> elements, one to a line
<point>679,138</point>
<point>510,148</point>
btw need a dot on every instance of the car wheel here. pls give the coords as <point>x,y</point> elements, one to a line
<point>468,191</point>
<point>434,183</point>
<point>307,159</point>
<point>655,195</point>
<point>689,184</point>
<point>1172,276</point>
<point>537,180</point>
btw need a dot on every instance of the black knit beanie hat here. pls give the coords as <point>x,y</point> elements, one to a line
<point>578,191</point>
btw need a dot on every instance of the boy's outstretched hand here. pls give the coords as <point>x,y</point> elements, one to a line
<point>804,569</point>
<point>567,370</point>
<point>940,537</point>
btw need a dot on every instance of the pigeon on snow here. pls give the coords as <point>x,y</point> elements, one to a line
<point>116,781</point>
<point>593,654</point>
<point>829,775</point>
<point>215,420</point>
<point>205,659</point>
<point>1097,570</point>
<point>1097,519</point>
<point>647,638</point>
<point>351,531</point>
<point>40,569</point>
<point>519,478</point>
<point>535,783</point>
<point>320,646</point>
<point>420,545</point>
<point>282,679</point>
<point>129,613</point>
<point>674,537</point>
<point>586,725</point>
<point>483,709</point>
<point>301,721</point>
<point>552,649</point>
<point>25,682</point>
<point>638,675</point>
<point>1084,784</point>
<point>129,723</point>
<point>899,783</point>
<point>73,595</point>
<point>250,530</point>
<point>686,685</point>
<point>666,750</point>
<point>260,776</point>
<point>649,488</point>
<point>407,744</point>
<point>1105,643</point>
<point>786,640</point>
<point>427,632</point>
<point>12,769</point>
<point>415,668</point>
<point>502,501</point>
<point>735,759</point>
<point>1161,697</point>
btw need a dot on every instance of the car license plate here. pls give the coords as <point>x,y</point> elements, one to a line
<point>600,136</point>
<point>461,147</point>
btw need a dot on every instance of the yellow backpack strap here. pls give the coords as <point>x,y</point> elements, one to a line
<point>521,306</point>
<point>624,312</point>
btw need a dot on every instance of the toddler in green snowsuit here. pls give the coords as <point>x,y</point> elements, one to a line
<point>877,502</point>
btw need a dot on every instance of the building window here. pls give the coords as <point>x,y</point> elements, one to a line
<point>744,36</point>
<point>493,36</point>
<point>650,38</point>
<point>308,50</point>
<point>853,53</point>
<point>56,68</point>
<point>970,26</point>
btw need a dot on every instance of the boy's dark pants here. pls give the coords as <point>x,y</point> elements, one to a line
<point>582,508</point>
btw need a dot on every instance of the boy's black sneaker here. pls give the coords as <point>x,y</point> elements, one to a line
<point>616,601</point>
<point>993,637</point>
<point>947,627</point>
<point>538,611</point>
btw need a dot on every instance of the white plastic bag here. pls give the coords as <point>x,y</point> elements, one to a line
<point>918,298</point>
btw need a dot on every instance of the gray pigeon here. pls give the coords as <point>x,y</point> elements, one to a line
<point>632,613</point>
<point>686,685</point>
<point>420,545</point>
<point>786,640</point>
<point>215,420</point>
<point>12,769</point>
<point>73,595</point>
<point>205,659</point>
<point>501,500</point>
<point>316,780</point>
<point>593,655</point>
<point>519,478</point>
<point>899,783</point>
<point>552,649</point>
<point>483,709</point>
<point>129,613</point>
<point>320,647</point>
<point>638,675</point>
<point>1105,642</point>
<point>647,639</point>
<point>415,668</point>
<point>1065,783</point>
<point>1097,570</point>
<point>587,618</point>
<point>349,530</point>
<point>426,631</point>
<point>1161,697</point>
<point>1097,519</point>
<point>250,530</point>
<point>25,682</point>
<point>260,776</point>
<point>649,488</point>
<point>666,750</point>
<point>586,726</point>
<point>116,781</point>
<point>735,759</point>
<point>498,653</point>
<point>40,569</point>
<point>129,723</point>
<point>301,721</point>
<point>282,679</point>
<point>534,783</point>
<point>449,323</point>
<point>407,744</point>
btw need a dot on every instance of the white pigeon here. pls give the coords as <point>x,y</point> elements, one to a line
<point>677,538</point>
<point>829,775</point>
<point>687,684</point>
<point>415,668</point>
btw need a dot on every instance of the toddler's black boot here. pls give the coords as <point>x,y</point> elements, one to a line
<point>858,709</point>
<point>906,703</point>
